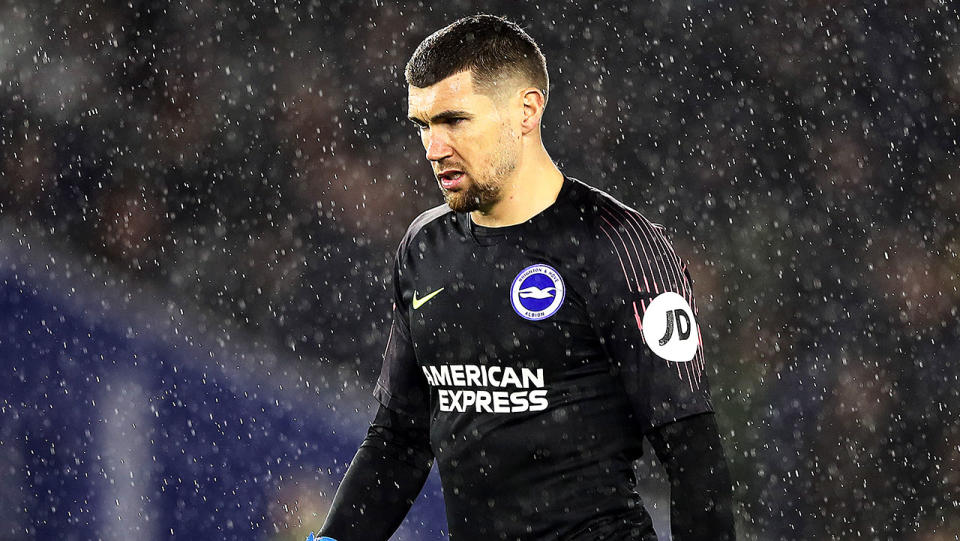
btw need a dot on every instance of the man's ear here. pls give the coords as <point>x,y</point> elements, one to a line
<point>533,102</point>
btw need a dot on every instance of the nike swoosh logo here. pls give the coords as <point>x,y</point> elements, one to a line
<point>417,303</point>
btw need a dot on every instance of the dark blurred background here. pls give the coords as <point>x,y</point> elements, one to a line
<point>200,203</point>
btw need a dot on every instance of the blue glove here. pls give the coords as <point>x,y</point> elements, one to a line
<point>312,538</point>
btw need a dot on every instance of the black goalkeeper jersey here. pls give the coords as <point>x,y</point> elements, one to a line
<point>540,354</point>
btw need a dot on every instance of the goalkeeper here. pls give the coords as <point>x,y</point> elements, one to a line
<point>541,329</point>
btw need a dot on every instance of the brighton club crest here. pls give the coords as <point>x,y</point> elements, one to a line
<point>537,292</point>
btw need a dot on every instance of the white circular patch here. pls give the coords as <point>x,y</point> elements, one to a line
<point>670,329</point>
<point>537,292</point>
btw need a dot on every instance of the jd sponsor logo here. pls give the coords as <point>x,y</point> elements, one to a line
<point>670,329</point>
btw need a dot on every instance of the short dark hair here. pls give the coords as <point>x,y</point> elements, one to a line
<point>489,46</point>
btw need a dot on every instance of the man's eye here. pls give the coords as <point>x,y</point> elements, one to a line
<point>455,121</point>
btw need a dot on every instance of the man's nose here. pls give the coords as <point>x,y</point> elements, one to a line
<point>437,147</point>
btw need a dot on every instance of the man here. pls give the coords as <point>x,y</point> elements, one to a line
<point>541,329</point>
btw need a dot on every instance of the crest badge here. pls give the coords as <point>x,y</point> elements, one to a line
<point>537,292</point>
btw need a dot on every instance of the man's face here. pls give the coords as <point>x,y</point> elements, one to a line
<point>469,140</point>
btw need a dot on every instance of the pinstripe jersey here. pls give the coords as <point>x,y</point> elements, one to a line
<point>540,354</point>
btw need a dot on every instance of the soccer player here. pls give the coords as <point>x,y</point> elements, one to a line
<point>541,329</point>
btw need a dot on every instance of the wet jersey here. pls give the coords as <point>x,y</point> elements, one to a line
<point>540,354</point>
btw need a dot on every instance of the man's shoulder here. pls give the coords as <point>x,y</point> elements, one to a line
<point>621,239</point>
<point>601,211</point>
<point>432,217</point>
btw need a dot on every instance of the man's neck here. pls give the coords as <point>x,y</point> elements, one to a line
<point>531,189</point>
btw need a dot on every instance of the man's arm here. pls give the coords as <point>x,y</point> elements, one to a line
<point>383,480</point>
<point>646,314</point>
<point>701,504</point>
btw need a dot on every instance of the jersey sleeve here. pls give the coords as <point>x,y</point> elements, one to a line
<point>401,386</point>
<point>643,308</point>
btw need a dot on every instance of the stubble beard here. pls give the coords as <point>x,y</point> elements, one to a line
<point>485,190</point>
<point>480,195</point>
